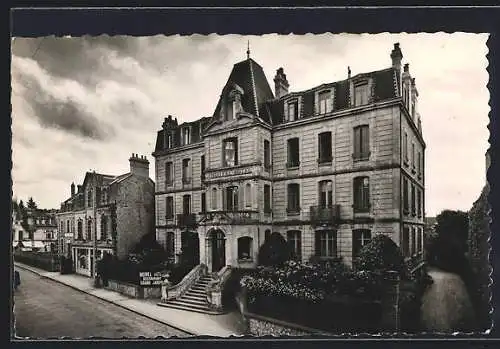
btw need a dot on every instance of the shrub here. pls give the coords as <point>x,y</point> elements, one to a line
<point>380,255</point>
<point>274,252</point>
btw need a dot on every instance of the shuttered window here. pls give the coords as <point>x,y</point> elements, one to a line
<point>325,147</point>
<point>361,194</point>
<point>293,198</point>
<point>293,153</point>
<point>326,243</point>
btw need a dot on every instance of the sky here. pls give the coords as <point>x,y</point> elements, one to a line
<point>88,103</point>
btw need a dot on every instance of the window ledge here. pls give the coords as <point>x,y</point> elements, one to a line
<point>293,212</point>
<point>361,157</point>
<point>293,166</point>
<point>245,260</point>
<point>325,162</point>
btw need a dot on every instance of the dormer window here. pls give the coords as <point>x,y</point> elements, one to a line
<point>360,93</point>
<point>325,104</point>
<point>292,110</point>
<point>233,104</point>
<point>168,140</point>
<point>186,136</point>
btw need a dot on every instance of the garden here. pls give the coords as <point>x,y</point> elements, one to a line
<point>330,296</point>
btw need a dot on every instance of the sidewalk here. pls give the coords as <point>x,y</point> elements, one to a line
<point>197,324</point>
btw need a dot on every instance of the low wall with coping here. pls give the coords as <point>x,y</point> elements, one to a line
<point>134,291</point>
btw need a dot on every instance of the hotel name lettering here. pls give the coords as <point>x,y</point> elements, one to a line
<point>230,172</point>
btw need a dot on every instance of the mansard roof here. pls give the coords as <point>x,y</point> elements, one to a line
<point>250,76</point>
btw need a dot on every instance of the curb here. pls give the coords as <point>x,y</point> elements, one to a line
<point>106,300</point>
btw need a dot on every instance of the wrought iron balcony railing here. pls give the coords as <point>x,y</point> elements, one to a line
<point>324,215</point>
<point>234,217</point>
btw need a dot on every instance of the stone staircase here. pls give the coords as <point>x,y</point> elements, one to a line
<point>194,299</point>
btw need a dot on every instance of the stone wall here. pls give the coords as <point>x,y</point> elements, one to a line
<point>134,291</point>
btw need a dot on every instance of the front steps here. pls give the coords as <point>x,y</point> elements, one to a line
<point>194,299</point>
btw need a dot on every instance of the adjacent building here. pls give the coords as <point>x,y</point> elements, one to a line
<point>327,168</point>
<point>108,213</point>
<point>36,231</point>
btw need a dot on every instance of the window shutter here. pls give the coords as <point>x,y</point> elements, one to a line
<point>317,243</point>
<point>286,111</point>
<point>316,103</point>
<point>365,140</point>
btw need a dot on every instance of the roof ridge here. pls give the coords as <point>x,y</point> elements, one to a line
<point>254,90</point>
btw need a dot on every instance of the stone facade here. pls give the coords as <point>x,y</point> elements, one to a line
<point>87,218</point>
<point>327,168</point>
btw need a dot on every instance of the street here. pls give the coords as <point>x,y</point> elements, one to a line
<point>47,309</point>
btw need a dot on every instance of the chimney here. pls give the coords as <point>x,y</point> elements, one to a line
<point>280,83</point>
<point>72,189</point>
<point>348,72</point>
<point>79,187</point>
<point>396,56</point>
<point>139,165</point>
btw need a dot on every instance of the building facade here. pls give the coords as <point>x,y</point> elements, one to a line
<point>327,168</point>
<point>37,231</point>
<point>107,213</point>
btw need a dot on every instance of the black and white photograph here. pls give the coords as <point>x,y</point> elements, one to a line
<point>177,186</point>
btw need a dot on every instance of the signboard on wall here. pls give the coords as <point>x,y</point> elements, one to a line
<point>147,278</point>
<point>229,172</point>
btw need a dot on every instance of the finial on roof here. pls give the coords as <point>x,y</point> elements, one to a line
<point>348,72</point>
<point>248,49</point>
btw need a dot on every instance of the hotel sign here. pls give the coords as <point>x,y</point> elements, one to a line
<point>229,172</point>
<point>147,278</point>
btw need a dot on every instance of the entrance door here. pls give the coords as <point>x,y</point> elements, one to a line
<point>190,248</point>
<point>218,243</point>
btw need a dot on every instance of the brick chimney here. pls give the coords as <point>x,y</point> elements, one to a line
<point>396,56</point>
<point>72,189</point>
<point>280,83</point>
<point>139,165</point>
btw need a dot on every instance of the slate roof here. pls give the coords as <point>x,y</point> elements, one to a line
<point>258,98</point>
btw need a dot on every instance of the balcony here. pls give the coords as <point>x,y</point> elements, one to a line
<point>233,217</point>
<point>328,215</point>
<point>186,220</point>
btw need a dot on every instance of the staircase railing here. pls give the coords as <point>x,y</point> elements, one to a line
<point>170,292</point>
<point>215,287</point>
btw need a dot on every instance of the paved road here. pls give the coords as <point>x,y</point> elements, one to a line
<point>47,309</point>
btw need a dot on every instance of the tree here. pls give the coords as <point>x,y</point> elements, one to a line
<point>31,204</point>
<point>381,254</point>
<point>275,251</point>
<point>21,206</point>
<point>452,227</point>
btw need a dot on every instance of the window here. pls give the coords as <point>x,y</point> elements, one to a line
<point>186,171</point>
<point>267,235</point>
<point>419,240</point>
<point>419,169</point>
<point>169,210</point>
<point>413,156</point>
<point>104,227</point>
<point>186,136</point>
<point>89,229</point>
<point>292,110</point>
<point>293,198</point>
<point>104,196</point>
<point>405,148</point>
<point>67,226</point>
<point>89,198</point>
<point>230,152</point>
<point>248,195</point>
<point>214,198</point>
<point>170,245</point>
<point>245,248</point>
<point>186,204</point>
<point>294,239</point>
<point>325,102</point>
<point>406,204</point>
<point>168,141</point>
<point>405,242</point>
<point>325,147</point>
<point>169,173</point>
<point>203,203</point>
<point>79,229</point>
<point>293,153</point>
<point>413,245</point>
<point>231,110</point>
<point>267,154</point>
<point>267,198</point>
<point>232,198</point>
<point>326,243</point>
<point>360,94</point>
<point>361,194</point>
<point>413,201</point>
<point>325,194</point>
<point>361,143</point>
<point>202,163</point>
<point>419,203</point>
<point>360,237</point>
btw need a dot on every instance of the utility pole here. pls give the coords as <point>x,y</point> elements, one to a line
<point>94,191</point>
